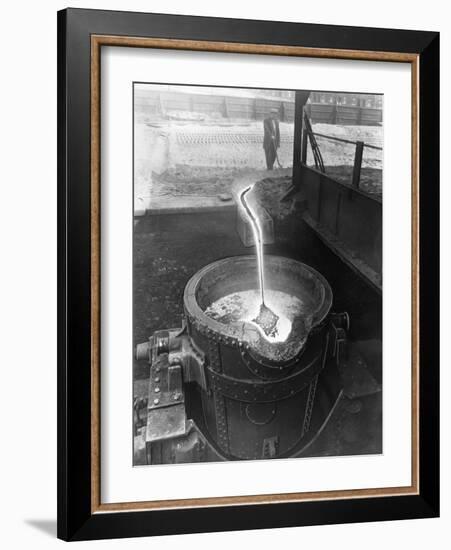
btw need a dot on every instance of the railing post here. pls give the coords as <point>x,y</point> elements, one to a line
<point>300,100</point>
<point>357,164</point>
<point>304,147</point>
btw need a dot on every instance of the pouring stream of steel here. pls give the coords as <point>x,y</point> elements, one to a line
<point>266,318</point>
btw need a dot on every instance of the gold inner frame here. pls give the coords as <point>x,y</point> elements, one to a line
<point>97,41</point>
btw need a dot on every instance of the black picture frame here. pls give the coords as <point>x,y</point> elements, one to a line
<point>76,519</point>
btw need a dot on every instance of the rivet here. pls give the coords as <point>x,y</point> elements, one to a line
<point>156,401</point>
<point>157,379</point>
<point>157,390</point>
<point>175,396</point>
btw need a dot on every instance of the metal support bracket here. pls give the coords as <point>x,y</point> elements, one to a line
<point>339,326</point>
<point>166,417</point>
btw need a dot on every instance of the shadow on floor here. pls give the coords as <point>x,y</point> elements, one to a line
<point>46,526</point>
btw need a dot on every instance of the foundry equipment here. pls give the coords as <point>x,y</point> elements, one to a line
<point>222,391</point>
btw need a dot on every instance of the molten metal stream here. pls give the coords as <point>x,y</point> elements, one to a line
<point>258,238</point>
<point>266,319</point>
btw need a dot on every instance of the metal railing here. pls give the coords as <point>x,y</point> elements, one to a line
<point>333,138</point>
<point>358,155</point>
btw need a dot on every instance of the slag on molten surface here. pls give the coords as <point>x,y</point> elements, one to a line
<point>273,322</point>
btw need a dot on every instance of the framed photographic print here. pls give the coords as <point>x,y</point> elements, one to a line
<point>248,274</point>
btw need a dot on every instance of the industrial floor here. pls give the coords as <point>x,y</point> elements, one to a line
<point>170,248</point>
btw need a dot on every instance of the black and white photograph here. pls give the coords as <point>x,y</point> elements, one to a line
<point>226,300</point>
<point>257,273</point>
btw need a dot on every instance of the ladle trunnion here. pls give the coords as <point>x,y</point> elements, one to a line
<point>222,391</point>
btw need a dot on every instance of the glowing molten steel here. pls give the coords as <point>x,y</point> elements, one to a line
<point>266,320</point>
<point>246,305</point>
